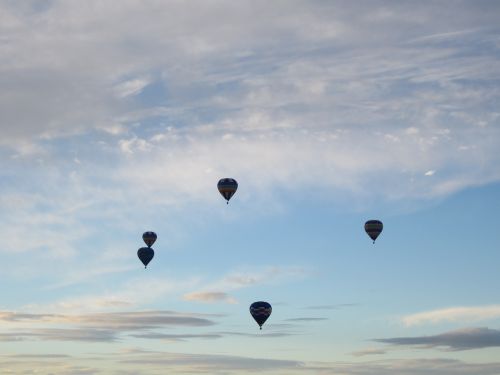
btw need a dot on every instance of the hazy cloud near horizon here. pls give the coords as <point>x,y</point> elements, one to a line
<point>135,361</point>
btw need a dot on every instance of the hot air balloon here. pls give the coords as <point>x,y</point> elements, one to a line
<point>373,228</point>
<point>149,238</point>
<point>145,254</point>
<point>227,187</point>
<point>260,312</point>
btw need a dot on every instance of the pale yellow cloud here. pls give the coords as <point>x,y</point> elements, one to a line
<point>454,314</point>
<point>209,297</point>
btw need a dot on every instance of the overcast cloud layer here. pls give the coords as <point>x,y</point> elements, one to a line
<point>272,85</point>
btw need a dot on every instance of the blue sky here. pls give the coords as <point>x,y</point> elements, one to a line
<point>118,118</point>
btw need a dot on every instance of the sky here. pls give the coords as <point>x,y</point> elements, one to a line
<point>120,117</point>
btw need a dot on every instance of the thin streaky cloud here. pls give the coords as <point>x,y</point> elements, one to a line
<point>124,320</point>
<point>209,297</point>
<point>462,339</point>
<point>306,319</point>
<point>102,327</point>
<point>260,334</point>
<point>28,356</point>
<point>369,351</point>
<point>175,337</point>
<point>331,307</point>
<point>61,334</point>
<point>448,35</point>
<point>453,314</point>
<point>211,363</point>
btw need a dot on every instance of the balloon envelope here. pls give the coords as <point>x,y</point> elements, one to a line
<point>145,254</point>
<point>149,238</point>
<point>260,312</point>
<point>373,228</point>
<point>227,187</point>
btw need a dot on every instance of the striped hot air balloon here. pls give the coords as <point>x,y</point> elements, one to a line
<point>260,312</point>
<point>227,187</point>
<point>373,228</point>
<point>149,238</point>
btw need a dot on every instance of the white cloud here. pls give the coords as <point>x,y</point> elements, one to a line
<point>131,87</point>
<point>132,145</point>
<point>453,314</point>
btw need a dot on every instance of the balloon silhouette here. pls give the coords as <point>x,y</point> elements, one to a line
<point>227,187</point>
<point>260,312</point>
<point>149,238</point>
<point>145,254</point>
<point>373,228</point>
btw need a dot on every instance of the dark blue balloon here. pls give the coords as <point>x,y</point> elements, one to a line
<point>149,238</point>
<point>227,187</point>
<point>373,228</point>
<point>145,254</point>
<point>260,312</point>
